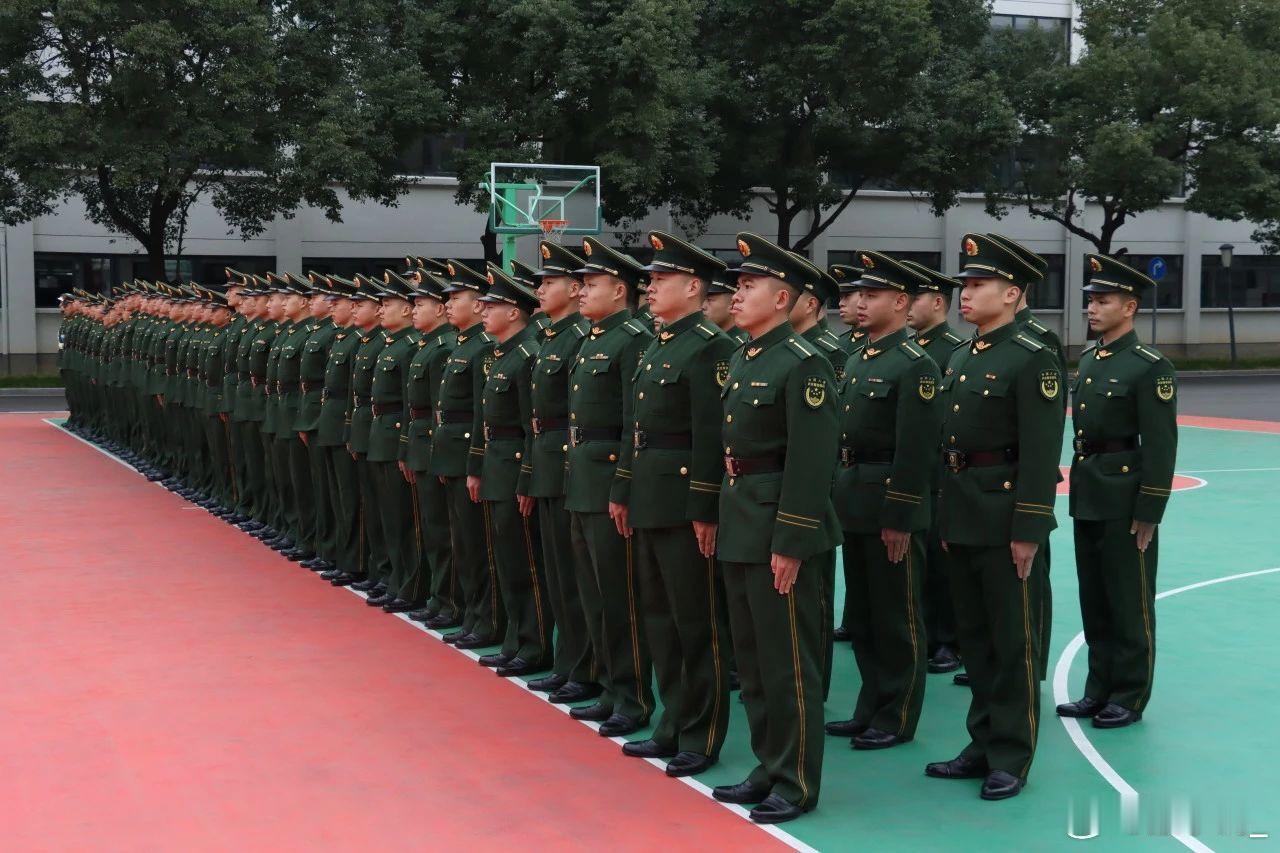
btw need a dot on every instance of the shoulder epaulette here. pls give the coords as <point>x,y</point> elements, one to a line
<point>912,350</point>
<point>829,346</point>
<point>524,350</point>
<point>706,331</point>
<point>634,327</point>
<point>486,337</point>
<point>1090,348</point>
<point>1029,343</point>
<point>1149,354</point>
<point>953,337</point>
<point>578,330</point>
<point>801,347</point>
<point>1037,326</point>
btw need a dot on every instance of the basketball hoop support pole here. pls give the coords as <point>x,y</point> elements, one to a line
<point>508,240</point>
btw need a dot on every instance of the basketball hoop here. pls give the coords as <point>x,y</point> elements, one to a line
<point>553,229</point>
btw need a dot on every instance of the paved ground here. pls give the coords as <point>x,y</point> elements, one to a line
<point>1255,398</point>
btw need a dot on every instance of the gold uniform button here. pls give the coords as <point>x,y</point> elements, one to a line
<point>1079,458</point>
<point>956,407</point>
<point>1007,485</point>
<point>613,457</point>
<point>953,439</point>
<point>732,481</point>
<point>581,360</point>
<point>397,426</point>
<point>466,435</point>
<point>1124,469</point>
<point>962,377</point>
<point>1082,407</point>
<point>986,391</point>
<point>641,395</point>
<point>1108,393</point>
<point>518,454</point>
<point>728,419</point>
<point>575,387</point>
<point>648,367</point>
<point>683,470</point>
<point>564,447</point>
<point>1079,432</point>
<point>846,408</point>
<point>735,386</point>
<point>573,416</point>
<point>1089,381</point>
<point>887,480</point>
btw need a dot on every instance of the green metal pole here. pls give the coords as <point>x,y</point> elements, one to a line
<point>508,240</point>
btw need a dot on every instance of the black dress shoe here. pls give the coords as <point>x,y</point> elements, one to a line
<point>441,621</point>
<point>296,555</point>
<point>316,564</point>
<point>399,605</point>
<point>422,614</point>
<point>648,749</point>
<point>456,636</point>
<point>475,641</point>
<point>366,585</point>
<point>548,683</point>
<point>689,764</point>
<point>618,725</point>
<point>495,659</point>
<point>961,678</point>
<point>285,545</point>
<point>519,666</point>
<point>943,660</point>
<point>876,739</point>
<point>576,691</point>
<point>743,793</point>
<point>1086,707</point>
<point>845,728</point>
<point>332,574</point>
<point>1115,717</point>
<point>960,767</point>
<point>595,713</point>
<point>380,600</point>
<point>775,809</point>
<point>841,635</point>
<point>1001,785</point>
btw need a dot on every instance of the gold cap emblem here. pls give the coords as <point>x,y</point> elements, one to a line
<point>867,262</point>
<point>1095,265</point>
<point>656,242</point>
<point>489,276</point>
<point>546,252</point>
<point>386,278</point>
<point>449,267</point>
<point>744,248</point>
<point>970,246</point>
<point>586,248</point>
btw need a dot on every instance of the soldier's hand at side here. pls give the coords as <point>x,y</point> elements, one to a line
<point>302,436</point>
<point>525,504</point>
<point>409,476</point>
<point>1144,530</point>
<point>785,570</point>
<point>705,532</point>
<point>473,488</point>
<point>896,543</point>
<point>618,512</point>
<point>1023,554</point>
<point>223,416</point>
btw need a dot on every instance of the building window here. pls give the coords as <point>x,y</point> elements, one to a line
<point>59,272</point>
<point>431,155</point>
<point>1023,23</point>
<point>1047,295</point>
<point>1169,288</point>
<point>932,260</point>
<point>1255,281</point>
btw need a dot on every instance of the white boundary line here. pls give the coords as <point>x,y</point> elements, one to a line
<point>1225,471</point>
<point>703,789</point>
<point>1128,796</point>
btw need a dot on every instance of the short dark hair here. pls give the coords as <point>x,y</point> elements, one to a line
<point>946,295</point>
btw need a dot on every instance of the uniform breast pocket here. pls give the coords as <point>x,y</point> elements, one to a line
<point>991,389</point>
<point>664,375</point>
<point>498,385</point>
<point>875,391</point>
<point>1115,391</point>
<point>339,358</point>
<point>549,366</point>
<point>760,398</point>
<point>314,346</point>
<point>597,366</point>
<point>418,371</point>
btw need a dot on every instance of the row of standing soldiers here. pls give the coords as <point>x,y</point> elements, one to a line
<point>644,505</point>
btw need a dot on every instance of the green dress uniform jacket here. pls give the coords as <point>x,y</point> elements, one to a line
<point>555,361</point>
<point>387,393</point>
<point>457,415</point>
<point>422,382</point>
<point>362,371</point>
<point>334,419</point>
<point>313,364</point>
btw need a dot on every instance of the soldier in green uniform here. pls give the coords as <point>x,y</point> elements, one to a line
<point>667,491</point>
<point>777,526</point>
<point>247,410</point>
<point>1125,440</point>
<point>234,333</point>
<point>213,363</point>
<point>600,404</point>
<point>282,405</point>
<point>853,338</point>
<point>343,546</point>
<point>934,335</point>
<point>457,415</point>
<point>436,339</point>
<point>558,291</point>
<point>316,501</point>
<point>396,506</point>
<point>889,423</point>
<point>374,563</point>
<point>719,298</point>
<point>266,363</point>
<point>505,445</point>
<point>1002,434</point>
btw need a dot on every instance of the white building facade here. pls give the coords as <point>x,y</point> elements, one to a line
<point>49,255</point>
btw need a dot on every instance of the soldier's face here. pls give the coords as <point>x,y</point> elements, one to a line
<point>557,293</point>
<point>848,306</point>
<point>319,305</point>
<point>671,292</point>
<point>1109,311</point>
<point>427,313</point>
<point>758,302</point>
<point>716,307</point>
<point>341,311</point>
<point>365,313</point>
<point>602,295</point>
<point>984,300</point>
<point>923,311</point>
<point>463,308</point>
<point>878,306</point>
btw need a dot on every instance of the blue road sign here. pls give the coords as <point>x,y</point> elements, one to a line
<point>1156,268</point>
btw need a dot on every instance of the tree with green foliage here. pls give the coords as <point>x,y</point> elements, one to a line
<point>818,100</point>
<point>141,108</point>
<point>1169,97</point>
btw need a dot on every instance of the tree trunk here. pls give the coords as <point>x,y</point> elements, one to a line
<point>786,216</point>
<point>155,257</point>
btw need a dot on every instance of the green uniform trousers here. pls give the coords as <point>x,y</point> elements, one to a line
<point>610,595</point>
<point>272,512</point>
<point>373,546</point>
<point>572,654</point>
<point>997,616</point>
<point>827,566</point>
<point>253,484</point>
<point>1046,614</point>
<point>397,511</point>
<point>341,543</point>
<point>216,436</point>
<point>939,611</point>
<point>282,453</point>
<point>887,630</point>
<point>473,561</point>
<point>437,552</point>
<point>1117,605</point>
<point>517,557</point>
<point>776,640</point>
<point>302,490</point>
<point>686,638</point>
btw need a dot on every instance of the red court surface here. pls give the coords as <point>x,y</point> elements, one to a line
<point>168,683</point>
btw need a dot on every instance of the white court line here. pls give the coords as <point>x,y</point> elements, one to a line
<point>1226,470</point>
<point>778,833</point>
<point>1128,796</point>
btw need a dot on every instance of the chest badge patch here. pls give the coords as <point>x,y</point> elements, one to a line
<point>1164,388</point>
<point>1049,384</point>
<point>928,388</point>
<point>815,391</point>
<point>722,373</point>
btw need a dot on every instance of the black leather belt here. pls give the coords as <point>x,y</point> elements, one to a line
<point>541,425</point>
<point>1088,447</point>
<point>740,466</point>
<point>495,432</point>
<point>453,416</point>
<point>380,409</point>
<point>578,435</point>
<point>359,400</point>
<point>852,456</point>
<point>957,460</point>
<point>419,412</point>
<point>643,439</point>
